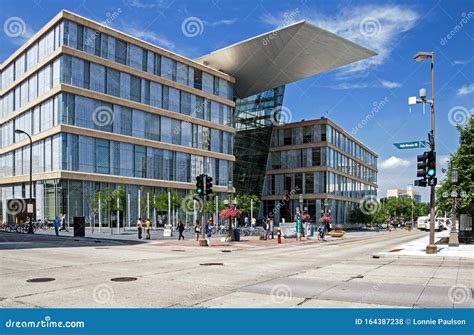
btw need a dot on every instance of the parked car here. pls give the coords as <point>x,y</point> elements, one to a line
<point>422,222</point>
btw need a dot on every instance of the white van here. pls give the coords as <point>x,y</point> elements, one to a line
<point>422,222</point>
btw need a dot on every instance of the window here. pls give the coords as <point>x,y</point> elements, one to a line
<point>165,98</point>
<point>182,74</point>
<point>80,38</point>
<point>157,67</point>
<point>185,103</point>
<point>121,52</point>
<point>140,161</point>
<point>198,79</point>
<point>136,57</point>
<point>97,78</point>
<point>155,94</point>
<point>316,156</point>
<point>102,156</point>
<point>175,131</point>
<point>146,92</point>
<point>286,136</point>
<point>152,128</point>
<point>216,86</point>
<point>307,132</point>
<point>135,89</point>
<point>125,119</point>
<point>113,82</point>
<point>87,75</point>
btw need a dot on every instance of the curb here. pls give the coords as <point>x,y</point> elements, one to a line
<point>444,257</point>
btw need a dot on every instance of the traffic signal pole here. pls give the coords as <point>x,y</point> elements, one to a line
<point>204,208</point>
<point>431,248</point>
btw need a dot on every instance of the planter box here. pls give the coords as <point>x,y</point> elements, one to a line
<point>336,233</point>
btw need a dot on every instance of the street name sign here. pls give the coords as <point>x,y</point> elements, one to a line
<point>410,145</point>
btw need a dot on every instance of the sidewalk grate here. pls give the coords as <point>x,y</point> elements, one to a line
<point>124,279</point>
<point>212,264</point>
<point>40,280</point>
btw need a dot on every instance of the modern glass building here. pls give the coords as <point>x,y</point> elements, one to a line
<point>107,110</point>
<point>254,118</point>
<point>318,165</point>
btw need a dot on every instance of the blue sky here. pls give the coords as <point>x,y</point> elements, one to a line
<point>396,30</point>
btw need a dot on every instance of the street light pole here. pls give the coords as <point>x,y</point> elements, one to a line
<point>30,211</point>
<point>431,248</point>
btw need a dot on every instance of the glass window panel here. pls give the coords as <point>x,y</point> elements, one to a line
<point>155,94</point>
<point>102,156</point>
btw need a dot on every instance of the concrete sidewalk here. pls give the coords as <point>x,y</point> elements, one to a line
<point>417,248</point>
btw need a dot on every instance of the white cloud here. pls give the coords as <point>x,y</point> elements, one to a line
<point>225,22</point>
<point>466,89</point>
<point>390,84</point>
<point>377,27</point>
<point>152,4</point>
<point>138,4</point>
<point>150,36</point>
<point>394,163</point>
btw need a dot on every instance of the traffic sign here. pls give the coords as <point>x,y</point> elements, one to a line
<point>411,145</point>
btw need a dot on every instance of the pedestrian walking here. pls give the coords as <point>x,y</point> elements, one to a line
<point>253,222</point>
<point>299,224</point>
<point>197,229</point>
<point>266,225</point>
<point>63,222</point>
<point>56,225</point>
<point>321,231</point>
<point>272,227</point>
<point>147,228</point>
<point>180,230</point>
<point>246,222</point>
<point>208,233</point>
<point>140,228</point>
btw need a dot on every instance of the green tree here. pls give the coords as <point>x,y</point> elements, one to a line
<point>244,202</point>
<point>462,160</point>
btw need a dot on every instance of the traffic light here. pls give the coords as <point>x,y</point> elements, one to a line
<point>431,165</point>
<point>421,165</point>
<point>200,185</point>
<point>421,169</point>
<point>208,185</point>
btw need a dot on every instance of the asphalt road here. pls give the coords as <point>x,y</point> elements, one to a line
<point>341,273</point>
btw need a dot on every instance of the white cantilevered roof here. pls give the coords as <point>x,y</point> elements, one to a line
<point>283,56</point>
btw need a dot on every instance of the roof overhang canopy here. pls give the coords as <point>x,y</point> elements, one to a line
<point>283,56</point>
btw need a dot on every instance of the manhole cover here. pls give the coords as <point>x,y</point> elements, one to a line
<point>40,280</point>
<point>124,279</point>
<point>97,241</point>
<point>178,250</point>
<point>211,264</point>
<point>77,240</point>
<point>226,250</point>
